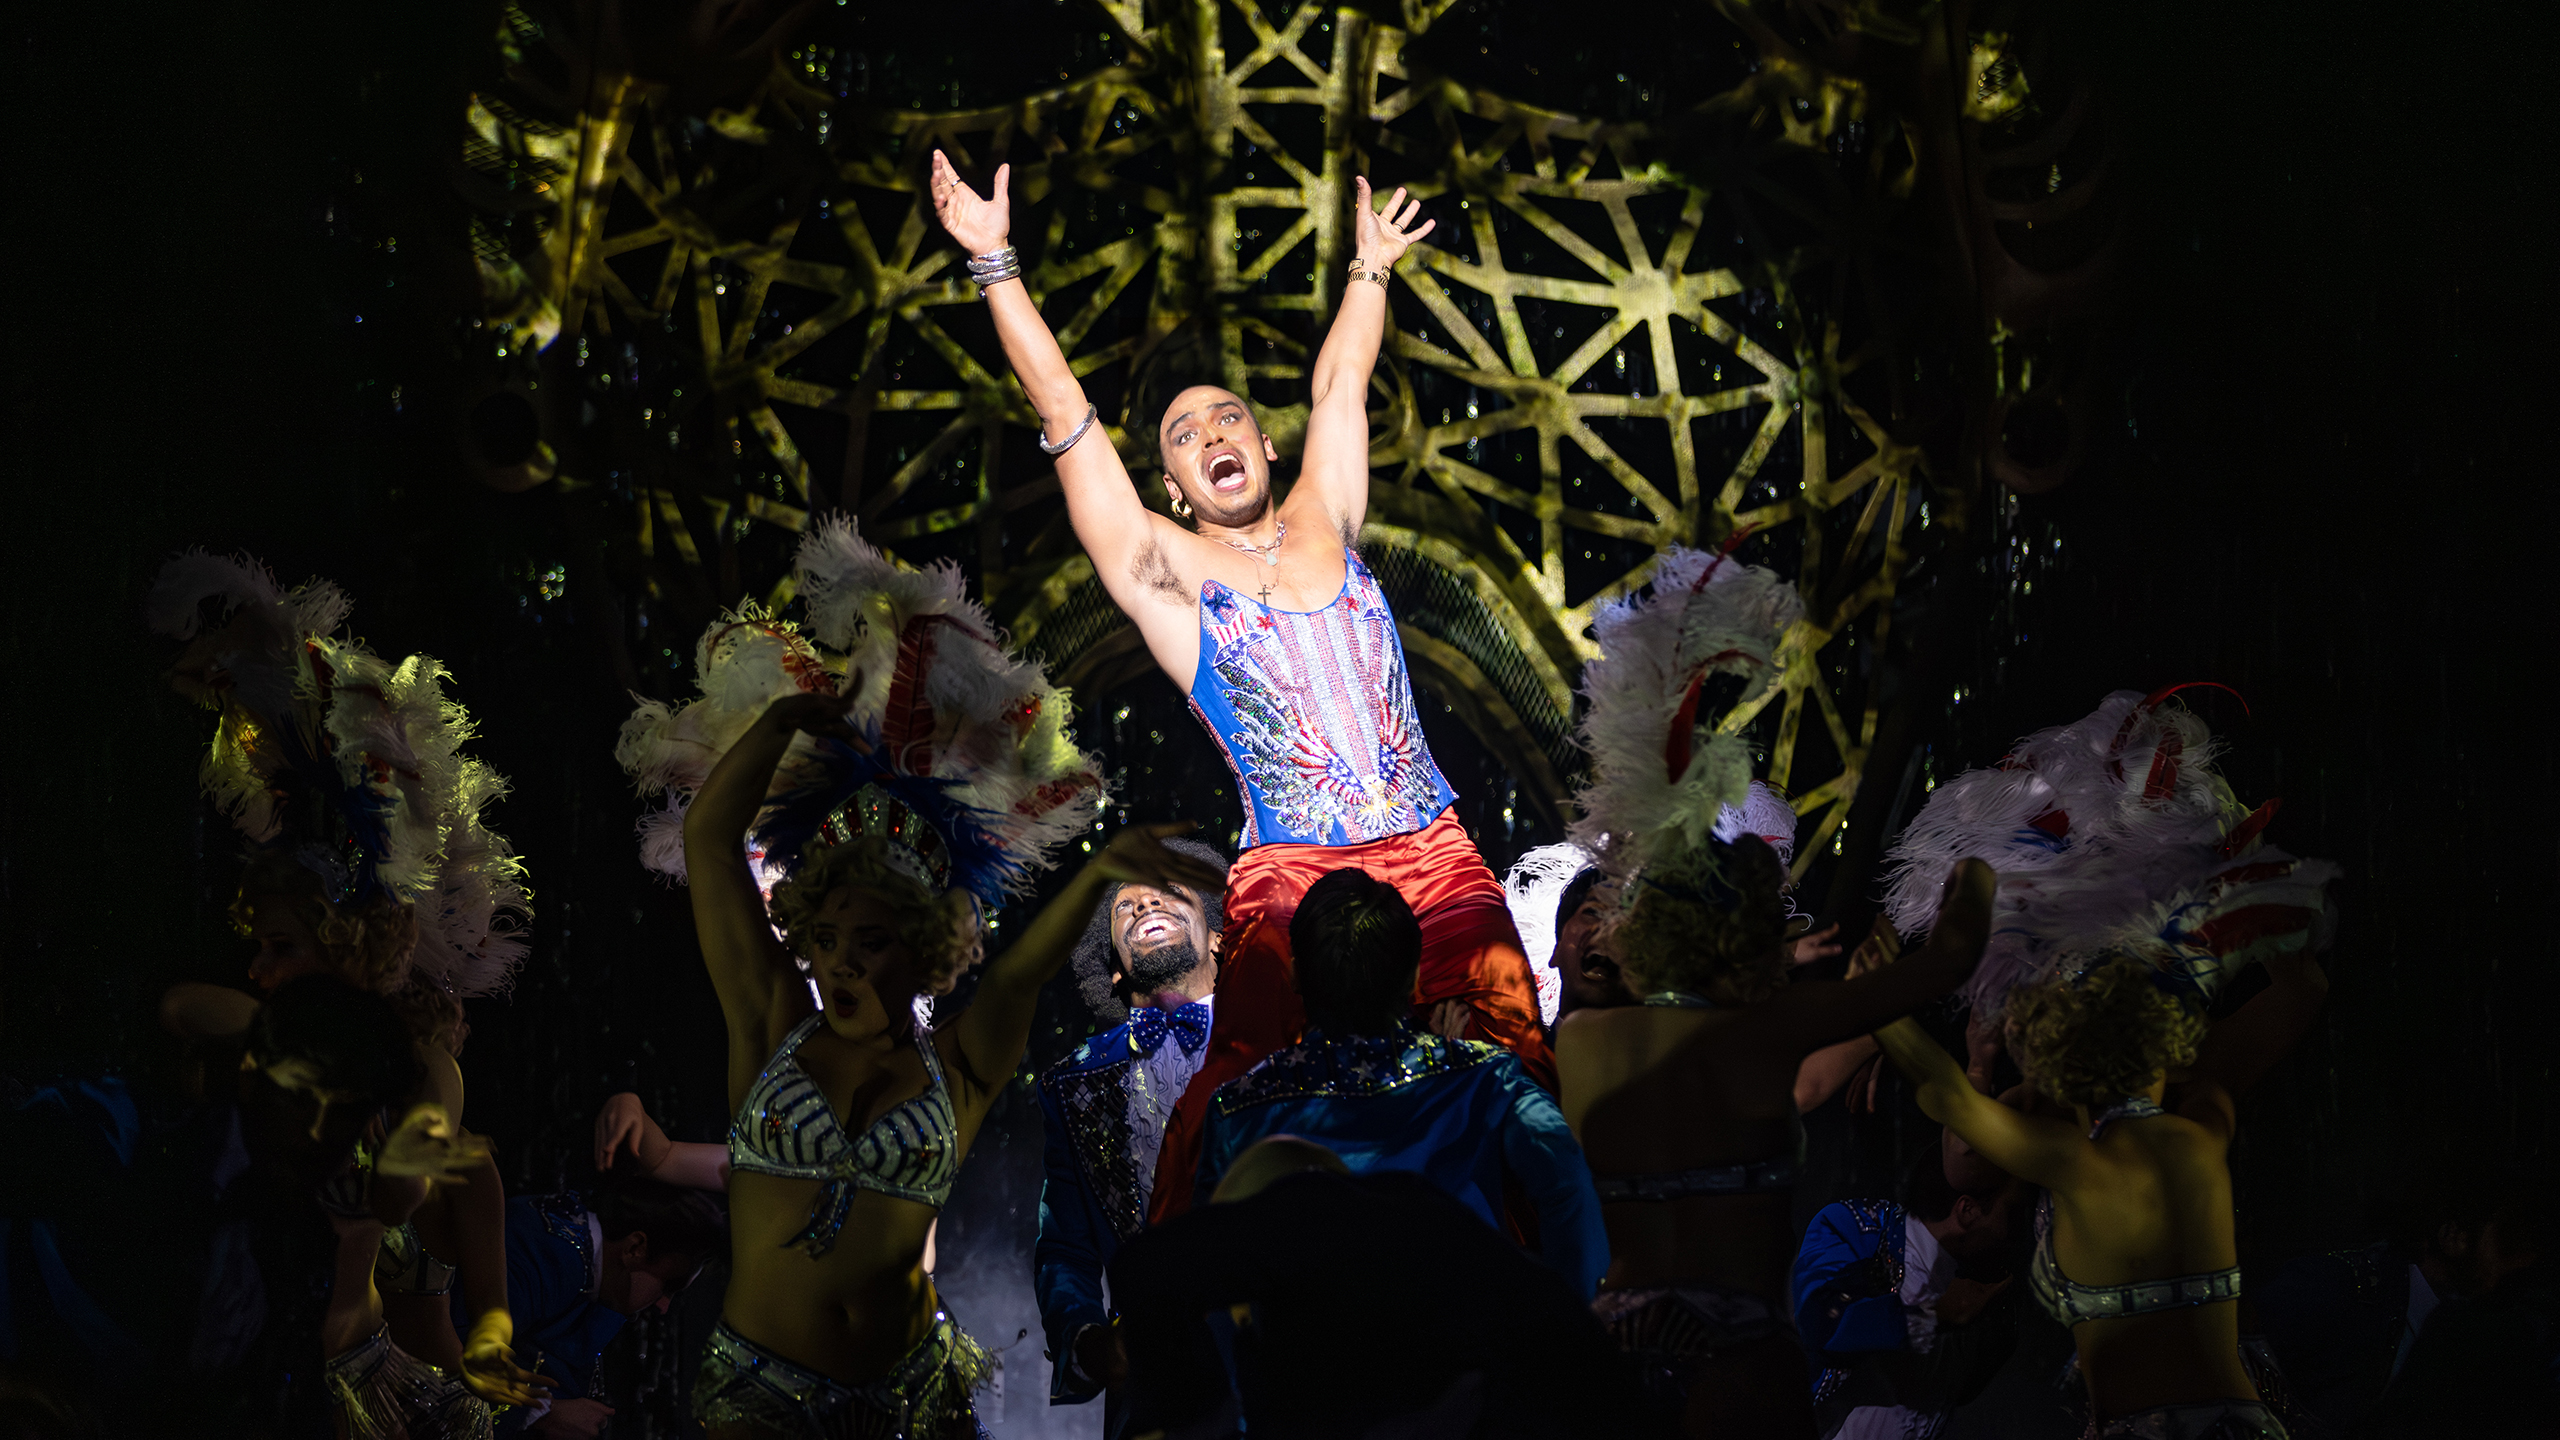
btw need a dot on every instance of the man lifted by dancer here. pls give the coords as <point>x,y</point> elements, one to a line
<point>1263,614</point>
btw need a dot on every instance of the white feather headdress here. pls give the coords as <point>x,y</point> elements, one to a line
<point>1662,775</point>
<point>353,761</point>
<point>1763,812</point>
<point>2114,830</point>
<point>967,737</point>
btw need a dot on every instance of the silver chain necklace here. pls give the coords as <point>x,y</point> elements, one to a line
<point>1267,554</point>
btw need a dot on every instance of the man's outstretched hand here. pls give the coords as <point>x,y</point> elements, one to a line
<point>982,225</point>
<point>1383,236</point>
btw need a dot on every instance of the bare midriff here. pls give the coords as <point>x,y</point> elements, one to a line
<point>850,1314</point>
<point>2157,1203</point>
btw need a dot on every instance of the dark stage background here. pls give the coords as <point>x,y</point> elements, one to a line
<point>2320,482</point>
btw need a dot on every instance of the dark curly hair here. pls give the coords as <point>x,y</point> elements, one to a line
<point>1094,960</point>
<point>930,926</point>
<point>2099,1030</point>
<point>1666,933</point>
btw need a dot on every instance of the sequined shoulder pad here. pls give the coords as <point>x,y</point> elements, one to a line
<point>1875,1217</point>
<point>1352,1066</point>
<point>1094,1052</point>
<point>565,1216</point>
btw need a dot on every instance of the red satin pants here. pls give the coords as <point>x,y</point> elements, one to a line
<point>1470,953</point>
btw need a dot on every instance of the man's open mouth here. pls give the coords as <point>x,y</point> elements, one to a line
<point>843,1002</point>
<point>1154,927</point>
<point>1226,471</point>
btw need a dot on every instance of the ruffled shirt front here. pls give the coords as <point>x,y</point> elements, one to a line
<point>1156,1082</point>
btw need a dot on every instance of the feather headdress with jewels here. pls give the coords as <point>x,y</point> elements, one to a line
<point>2114,832</point>
<point>1664,778</point>
<point>352,763</point>
<point>972,777</point>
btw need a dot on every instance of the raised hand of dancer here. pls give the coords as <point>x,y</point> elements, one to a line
<point>1881,948</point>
<point>1814,945</point>
<point>623,1123</point>
<point>819,712</point>
<point>489,1365</point>
<point>980,225</point>
<point>1138,856</point>
<point>1889,983</point>
<point>1382,236</point>
<point>427,1144</point>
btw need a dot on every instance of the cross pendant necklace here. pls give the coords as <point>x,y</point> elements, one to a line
<point>1268,555</point>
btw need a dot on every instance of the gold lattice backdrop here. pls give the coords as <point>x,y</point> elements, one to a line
<point>1595,356</point>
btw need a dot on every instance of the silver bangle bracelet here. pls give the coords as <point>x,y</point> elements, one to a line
<point>1063,446</point>
<point>995,267</point>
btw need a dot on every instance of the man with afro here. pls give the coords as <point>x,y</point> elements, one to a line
<point>1148,966</point>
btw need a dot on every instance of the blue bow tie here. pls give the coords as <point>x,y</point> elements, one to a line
<point>1148,1026</point>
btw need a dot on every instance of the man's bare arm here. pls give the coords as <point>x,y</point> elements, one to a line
<point>1119,533</point>
<point>1335,469</point>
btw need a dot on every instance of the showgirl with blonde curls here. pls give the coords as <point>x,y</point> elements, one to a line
<point>867,786</point>
<point>2141,886</point>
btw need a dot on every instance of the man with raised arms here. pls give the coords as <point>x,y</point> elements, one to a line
<point>1262,612</point>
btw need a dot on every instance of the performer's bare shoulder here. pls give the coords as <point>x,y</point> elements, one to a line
<point>1216,459</point>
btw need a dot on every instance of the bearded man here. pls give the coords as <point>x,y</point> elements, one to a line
<point>1262,612</point>
<point>1149,960</point>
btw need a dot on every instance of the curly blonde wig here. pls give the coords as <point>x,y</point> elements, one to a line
<point>368,942</point>
<point>940,932</point>
<point>1666,935</point>
<point>2096,1035</point>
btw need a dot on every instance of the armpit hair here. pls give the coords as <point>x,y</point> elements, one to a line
<point>1153,571</point>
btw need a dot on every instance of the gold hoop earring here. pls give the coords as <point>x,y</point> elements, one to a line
<point>1181,507</point>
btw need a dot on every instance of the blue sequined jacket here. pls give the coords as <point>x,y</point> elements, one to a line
<point>1463,1115</point>
<point>1091,1198</point>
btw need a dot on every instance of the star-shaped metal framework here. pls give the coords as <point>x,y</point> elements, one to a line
<point>1595,357</point>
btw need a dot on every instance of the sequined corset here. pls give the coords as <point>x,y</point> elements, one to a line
<point>787,1128</point>
<point>1315,714</point>
<point>2070,1302</point>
